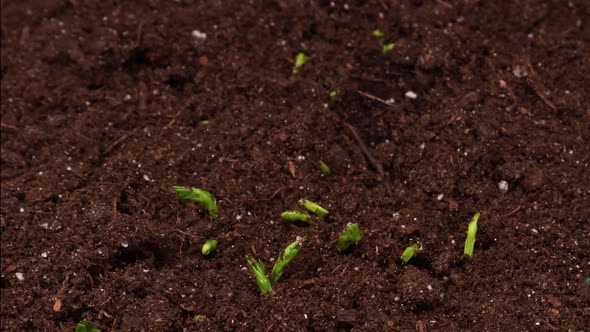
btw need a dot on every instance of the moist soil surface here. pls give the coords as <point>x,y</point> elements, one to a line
<point>481,106</point>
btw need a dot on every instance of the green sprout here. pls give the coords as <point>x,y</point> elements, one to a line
<point>349,237</point>
<point>209,249</point>
<point>86,326</point>
<point>257,268</point>
<point>313,208</point>
<point>296,216</point>
<point>387,48</point>
<point>377,33</point>
<point>325,168</point>
<point>199,196</point>
<point>334,93</point>
<point>300,60</point>
<point>471,232</point>
<point>410,252</point>
<point>290,252</point>
<point>199,318</point>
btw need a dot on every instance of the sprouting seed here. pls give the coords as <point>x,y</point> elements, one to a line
<point>209,249</point>
<point>410,252</point>
<point>313,208</point>
<point>257,268</point>
<point>300,60</point>
<point>377,33</point>
<point>334,93</point>
<point>199,196</point>
<point>290,252</point>
<point>86,326</point>
<point>349,237</point>
<point>325,168</point>
<point>296,216</point>
<point>387,48</point>
<point>470,240</point>
<point>199,318</point>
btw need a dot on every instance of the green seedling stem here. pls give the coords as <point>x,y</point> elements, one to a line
<point>209,249</point>
<point>377,33</point>
<point>86,326</point>
<point>325,168</point>
<point>296,216</point>
<point>471,232</point>
<point>300,60</point>
<point>257,268</point>
<point>387,48</point>
<point>290,252</point>
<point>410,252</point>
<point>199,196</point>
<point>350,236</point>
<point>313,208</point>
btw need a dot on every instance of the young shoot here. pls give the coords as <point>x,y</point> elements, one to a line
<point>377,33</point>
<point>313,208</point>
<point>325,168</point>
<point>199,318</point>
<point>296,216</point>
<point>257,268</point>
<point>300,60</point>
<point>209,249</point>
<point>199,196</point>
<point>410,252</point>
<point>290,252</point>
<point>387,48</point>
<point>470,240</point>
<point>349,237</point>
<point>86,326</point>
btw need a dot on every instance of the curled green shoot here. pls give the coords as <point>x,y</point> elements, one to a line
<point>199,318</point>
<point>209,249</point>
<point>325,168</point>
<point>470,240</point>
<point>349,237</point>
<point>300,60</point>
<point>199,196</point>
<point>86,326</point>
<point>313,208</point>
<point>257,268</point>
<point>377,33</point>
<point>296,217</point>
<point>387,48</point>
<point>290,252</point>
<point>410,252</point>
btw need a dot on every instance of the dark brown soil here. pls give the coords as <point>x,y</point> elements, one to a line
<point>105,107</point>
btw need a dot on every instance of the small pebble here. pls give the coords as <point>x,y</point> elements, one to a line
<point>411,95</point>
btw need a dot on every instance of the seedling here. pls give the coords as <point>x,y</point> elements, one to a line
<point>209,249</point>
<point>470,240</point>
<point>86,326</point>
<point>296,216</point>
<point>313,208</point>
<point>199,196</point>
<point>290,252</point>
<point>410,252</point>
<point>325,168</point>
<point>349,237</point>
<point>387,48</point>
<point>257,268</point>
<point>300,60</point>
<point>199,318</point>
<point>334,93</point>
<point>377,33</point>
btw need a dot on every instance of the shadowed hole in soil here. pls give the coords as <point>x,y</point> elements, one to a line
<point>147,252</point>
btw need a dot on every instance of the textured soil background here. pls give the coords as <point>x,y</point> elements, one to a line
<point>103,106</point>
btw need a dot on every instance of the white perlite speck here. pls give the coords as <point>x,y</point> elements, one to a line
<point>503,186</point>
<point>440,197</point>
<point>20,276</point>
<point>198,35</point>
<point>411,95</point>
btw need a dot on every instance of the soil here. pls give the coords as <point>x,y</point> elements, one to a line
<point>106,105</point>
